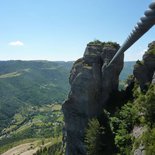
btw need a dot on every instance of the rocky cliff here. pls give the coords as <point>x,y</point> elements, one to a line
<point>144,70</point>
<point>91,82</point>
<point>144,73</point>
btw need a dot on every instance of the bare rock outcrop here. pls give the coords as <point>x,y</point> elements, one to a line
<point>91,84</point>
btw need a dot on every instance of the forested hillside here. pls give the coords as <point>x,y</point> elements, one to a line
<point>25,83</point>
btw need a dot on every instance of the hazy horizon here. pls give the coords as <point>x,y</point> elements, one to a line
<point>52,60</point>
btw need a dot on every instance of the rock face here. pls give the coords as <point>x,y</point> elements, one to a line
<point>144,70</point>
<point>91,84</point>
<point>153,79</point>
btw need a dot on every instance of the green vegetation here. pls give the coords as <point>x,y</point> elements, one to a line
<point>92,140</point>
<point>131,122</point>
<point>104,44</point>
<point>54,149</point>
<point>149,141</point>
<point>151,49</point>
<point>138,62</point>
<point>122,124</point>
<point>24,83</point>
<point>139,113</point>
<point>34,123</point>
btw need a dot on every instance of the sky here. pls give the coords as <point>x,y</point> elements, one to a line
<point>59,30</point>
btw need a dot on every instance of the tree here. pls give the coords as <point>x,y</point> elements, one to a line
<point>92,138</point>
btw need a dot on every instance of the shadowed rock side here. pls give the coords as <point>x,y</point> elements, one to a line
<point>144,70</point>
<point>91,84</point>
<point>144,73</point>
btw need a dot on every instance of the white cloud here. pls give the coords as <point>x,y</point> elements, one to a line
<point>16,43</point>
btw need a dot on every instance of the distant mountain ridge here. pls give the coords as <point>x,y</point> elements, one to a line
<point>127,69</point>
<point>44,75</point>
